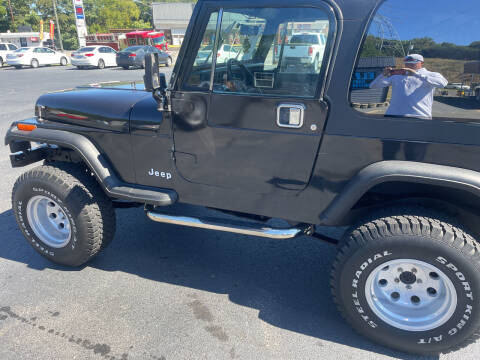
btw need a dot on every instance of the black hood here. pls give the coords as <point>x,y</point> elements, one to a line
<point>93,106</point>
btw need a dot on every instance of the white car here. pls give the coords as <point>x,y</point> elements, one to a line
<point>305,49</point>
<point>96,56</point>
<point>5,49</point>
<point>36,56</point>
<point>224,53</point>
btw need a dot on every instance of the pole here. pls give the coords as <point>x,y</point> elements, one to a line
<point>11,14</point>
<point>58,25</point>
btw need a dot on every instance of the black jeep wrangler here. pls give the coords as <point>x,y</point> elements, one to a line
<point>241,130</point>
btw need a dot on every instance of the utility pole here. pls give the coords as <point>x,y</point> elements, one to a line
<point>58,24</point>
<point>11,14</point>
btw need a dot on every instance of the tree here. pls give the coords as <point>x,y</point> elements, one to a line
<point>113,14</point>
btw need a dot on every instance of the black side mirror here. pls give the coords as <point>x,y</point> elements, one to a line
<point>153,79</point>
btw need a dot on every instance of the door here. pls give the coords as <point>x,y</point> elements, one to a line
<point>242,119</point>
<point>50,56</point>
<point>108,55</point>
<point>39,55</point>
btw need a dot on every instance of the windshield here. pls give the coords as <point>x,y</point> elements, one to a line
<point>132,48</point>
<point>86,49</point>
<point>159,40</point>
<point>22,49</point>
<point>304,39</point>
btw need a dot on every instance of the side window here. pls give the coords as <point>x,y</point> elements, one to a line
<point>12,47</point>
<point>37,50</point>
<point>273,51</point>
<point>199,76</point>
<point>416,66</point>
<point>48,51</point>
<point>3,47</point>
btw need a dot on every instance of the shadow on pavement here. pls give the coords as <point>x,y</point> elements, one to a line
<point>286,281</point>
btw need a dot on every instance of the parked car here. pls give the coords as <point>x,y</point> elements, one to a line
<point>36,56</point>
<point>135,56</point>
<point>94,56</point>
<point>457,86</point>
<point>305,49</point>
<point>5,49</point>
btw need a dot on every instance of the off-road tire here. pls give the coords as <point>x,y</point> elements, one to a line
<point>34,63</point>
<point>89,211</point>
<point>422,237</point>
<point>101,64</point>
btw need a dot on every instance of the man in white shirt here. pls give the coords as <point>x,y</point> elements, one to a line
<point>412,88</point>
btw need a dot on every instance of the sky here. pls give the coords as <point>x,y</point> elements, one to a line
<point>455,21</point>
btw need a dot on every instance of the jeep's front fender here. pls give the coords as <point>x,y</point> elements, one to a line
<point>96,161</point>
<point>403,171</point>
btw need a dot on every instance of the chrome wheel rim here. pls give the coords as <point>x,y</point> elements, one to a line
<point>411,295</point>
<point>48,221</point>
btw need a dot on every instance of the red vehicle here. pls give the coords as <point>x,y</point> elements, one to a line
<point>147,37</point>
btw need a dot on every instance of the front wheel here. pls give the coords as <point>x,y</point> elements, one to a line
<point>63,61</point>
<point>410,282</point>
<point>63,213</point>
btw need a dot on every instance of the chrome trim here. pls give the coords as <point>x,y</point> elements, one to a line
<point>247,229</point>
<point>301,107</point>
<point>215,46</point>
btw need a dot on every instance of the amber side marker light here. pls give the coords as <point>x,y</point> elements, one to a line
<point>26,127</point>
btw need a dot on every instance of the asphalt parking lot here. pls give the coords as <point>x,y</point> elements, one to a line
<point>163,292</point>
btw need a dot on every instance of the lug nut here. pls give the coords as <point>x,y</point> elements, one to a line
<point>414,270</point>
<point>383,282</point>
<point>408,287</point>
<point>400,270</point>
<point>415,299</point>
<point>397,280</point>
<point>419,281</point>
<point>431,291</point>
<point>395,295</point>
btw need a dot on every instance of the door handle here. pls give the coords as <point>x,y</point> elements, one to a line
<point>290,115</point>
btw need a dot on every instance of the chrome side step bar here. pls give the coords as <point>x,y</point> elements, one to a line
<point>245,228</point>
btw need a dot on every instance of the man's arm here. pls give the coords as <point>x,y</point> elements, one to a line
<point>434,79</point>
<point>380,82</point>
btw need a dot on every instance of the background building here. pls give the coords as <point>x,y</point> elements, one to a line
<point>24,39</point>
<point>172,19</point>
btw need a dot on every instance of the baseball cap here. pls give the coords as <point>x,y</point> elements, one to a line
<point>413,59</point>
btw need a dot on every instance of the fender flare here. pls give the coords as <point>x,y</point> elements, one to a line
<point>98,164</point>
<point>405,171</point>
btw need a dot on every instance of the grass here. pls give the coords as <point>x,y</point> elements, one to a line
<point>452,70</point>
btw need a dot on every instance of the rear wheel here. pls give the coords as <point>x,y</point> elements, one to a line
<point>63,213</point>
<point>63,61</point>
<point>410,282</point>
<point>1,62</point>
<point>169,62</point>
<point>34,63</point>
<point>101,64</point>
